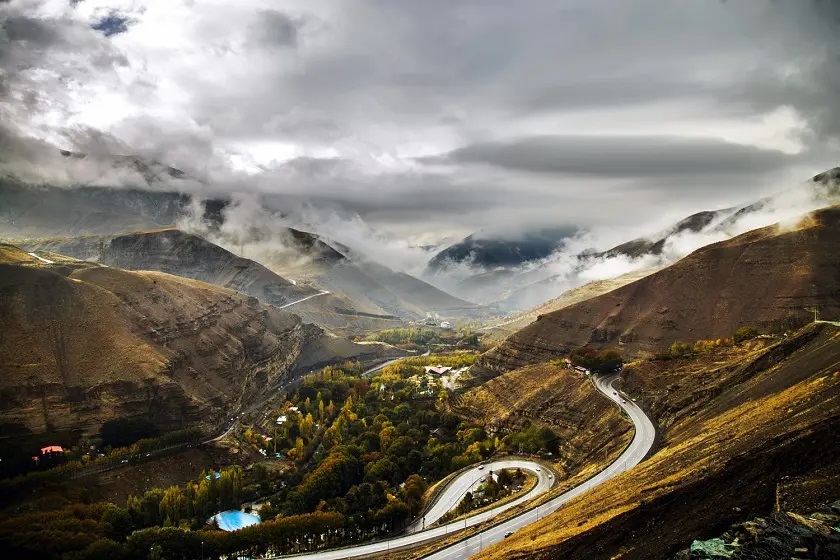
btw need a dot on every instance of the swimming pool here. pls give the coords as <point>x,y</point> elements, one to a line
<point>234,519</point>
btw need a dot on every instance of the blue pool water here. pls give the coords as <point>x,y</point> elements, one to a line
<point>233,519</point>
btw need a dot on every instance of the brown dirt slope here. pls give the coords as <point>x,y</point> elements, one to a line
<point>765,414</point>
<point>82,344</point>
<point>589,426</point>
<point>567,298</point>
<point>767,278</point>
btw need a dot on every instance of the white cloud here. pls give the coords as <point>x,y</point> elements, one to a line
<point>243,94</point>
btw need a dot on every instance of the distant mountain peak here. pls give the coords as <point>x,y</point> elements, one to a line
<point>486,250</point>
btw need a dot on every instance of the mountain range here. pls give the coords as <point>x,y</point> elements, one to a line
<point>483,250</point>
<point>135,229</point>
<point>84,343</point>
<point>771,278</point>
<point>518,288</point>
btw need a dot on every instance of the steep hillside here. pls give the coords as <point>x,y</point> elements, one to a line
<point>757,417</point>
<point>82,344</point>
<point>768,278</point>
<point>590,428</point>
<point>423,296</point>
<point>373,287</point>
<point>569,297</point>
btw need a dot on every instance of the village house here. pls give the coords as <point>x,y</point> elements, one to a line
<point>50,454</point>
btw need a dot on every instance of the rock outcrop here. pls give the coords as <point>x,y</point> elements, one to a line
<point>780,535</point>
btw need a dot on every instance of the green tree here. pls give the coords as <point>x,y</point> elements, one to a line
<point>679,349</point>
<point>173,505</point>
<point>413,491</point>
<point>505,478</point>
<point>745,333</point>
<point>117,522</point>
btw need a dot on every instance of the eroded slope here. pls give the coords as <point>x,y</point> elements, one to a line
<point>771,414</point>
<point>82,344</point>
<point>589,426</point>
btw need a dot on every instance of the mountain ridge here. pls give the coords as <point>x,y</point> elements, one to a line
<point>765,277</point>
<point>84,343</point>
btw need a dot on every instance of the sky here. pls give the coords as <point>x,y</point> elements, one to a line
<point>434,119</point>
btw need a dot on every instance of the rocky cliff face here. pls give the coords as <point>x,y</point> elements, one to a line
<point>83,344</point>
<point>768,278</point>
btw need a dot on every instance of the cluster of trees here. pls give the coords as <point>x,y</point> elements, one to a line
<point>188,506</point>
<point>103,531</point>
<point>417,337</point>
<point>315,399</point>
<point>373,456</point>
<point>532,439</point>
<point>287,535</point>
<point>590,358</point>
<point>745,333</point>
<point>679,349</point>
<point>490,491</point>
<point>410,367</point>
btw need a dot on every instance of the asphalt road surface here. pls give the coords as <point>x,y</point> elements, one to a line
<point>633,455</point>
<point>374,369</point>
<point>471,479</point>
<point>321,293</point>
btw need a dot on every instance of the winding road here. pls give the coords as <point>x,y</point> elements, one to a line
<point>643,440</point>
<point>291,303</point>
<point>471,479</point>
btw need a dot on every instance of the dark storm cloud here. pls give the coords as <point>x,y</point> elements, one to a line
<point>25,40</point>
<point>483,65</point>
<point>38,33</point>
<point>806,72</point>
<point>622,156</point>
<point>275,29</point>
<point>377,81</point>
